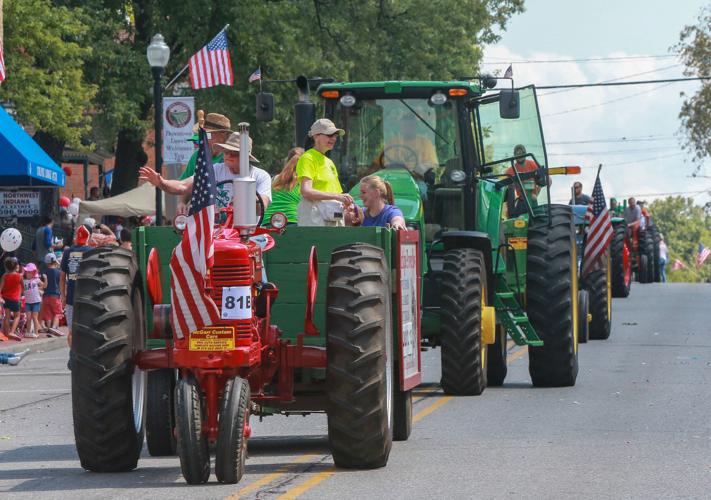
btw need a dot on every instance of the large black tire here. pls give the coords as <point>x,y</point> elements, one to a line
<point>621,276</point>
<point>656,238</point>
<point>496,366</point>
<point>193,447</point>
<point>108,329</point>
<point>359,371</point>
<point>231,450</point>
<point>463,295</point>
<point>552,297</point>
<point>583,310</point>
<point>643,271</point>
<point>160,413</point>
<point>649,252</point>
<point>402,414</point>
<point>596,283</point>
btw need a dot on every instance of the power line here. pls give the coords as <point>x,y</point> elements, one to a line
<point>589,59</point>
<point>638,161</point>
<point>617,140</point>
<point>613,84</point>
<point>618,151</point>
<point>624,98</point>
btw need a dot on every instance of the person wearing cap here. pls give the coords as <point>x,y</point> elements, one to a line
<point>51,308</point>
<point>218,128</point>
<point>33,286</point>
<point>580,197</point>
<point>70,266</point>
<point>225,173</point>
<point>532,186</point>
<point>318,178</point>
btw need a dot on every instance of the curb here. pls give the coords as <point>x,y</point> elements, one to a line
<point>35,346</point>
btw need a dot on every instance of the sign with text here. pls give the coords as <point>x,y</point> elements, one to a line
<point>178,119</point>
<point>408,293</point>
<point>19,203</point>
<point>213,338</point>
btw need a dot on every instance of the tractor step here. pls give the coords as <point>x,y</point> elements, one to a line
<point>515,319</point>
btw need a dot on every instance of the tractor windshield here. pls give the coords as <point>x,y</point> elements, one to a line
<point>499,136</point>
<point>396,133</point>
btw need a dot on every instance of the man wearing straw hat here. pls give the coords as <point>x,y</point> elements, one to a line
<point>217,127</point>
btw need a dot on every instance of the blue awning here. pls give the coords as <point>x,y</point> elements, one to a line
<point>22,161</point>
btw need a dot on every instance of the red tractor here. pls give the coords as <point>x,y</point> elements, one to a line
<point>203,387</point>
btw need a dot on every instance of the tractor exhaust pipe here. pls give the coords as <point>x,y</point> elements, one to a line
<point>244,201</point>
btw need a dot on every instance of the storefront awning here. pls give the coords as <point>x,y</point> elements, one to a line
<point>22,161</point>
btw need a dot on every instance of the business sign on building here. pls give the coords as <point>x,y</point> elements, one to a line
<point>178,119</point>
<point>19,203</point>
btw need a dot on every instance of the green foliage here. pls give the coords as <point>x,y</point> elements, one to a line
<point>44,54</point>
<point>695,50</point>
<point>684,225</point>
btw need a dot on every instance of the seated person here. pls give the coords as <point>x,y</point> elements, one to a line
<point>532,186</point>
<point>374,193</point>
<point>225,173</point>
<point>632,213</point>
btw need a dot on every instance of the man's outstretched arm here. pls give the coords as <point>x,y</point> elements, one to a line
<point>184,187</point>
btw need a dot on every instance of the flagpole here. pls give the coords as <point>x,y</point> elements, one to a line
<point>260,79</point>
<point>187,65</point>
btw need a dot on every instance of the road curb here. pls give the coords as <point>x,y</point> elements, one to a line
<point>34,346</point>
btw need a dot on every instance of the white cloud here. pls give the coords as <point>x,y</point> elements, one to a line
<point>654,112</point>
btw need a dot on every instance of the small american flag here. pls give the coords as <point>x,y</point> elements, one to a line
<point>257,75</point>
<point>211,65</point>
<point>509,72</point>
<point>677,265</point>
<point>2,63</point>
<point>192,306</point>
<point>599,231</point>
<point>702,255</point>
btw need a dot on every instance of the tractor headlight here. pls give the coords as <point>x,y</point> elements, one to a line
<point>438,98</point>
<point>457,175</point>
<point>278,220</point>
<point>180,222</point>
<point>347,100</point>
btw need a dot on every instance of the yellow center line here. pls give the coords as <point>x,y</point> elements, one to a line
<point>307,485</point>
<point>429,409</point>
<point>271,477</point>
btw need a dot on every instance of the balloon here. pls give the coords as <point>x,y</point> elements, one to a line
<point>67,171</point>
<point>76,200</point>
<point>73,209</point>
<point>64,201</point>
<point>10,239</point>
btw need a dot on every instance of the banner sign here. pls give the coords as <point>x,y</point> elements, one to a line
<point>178,119</point>
<point>408,295</point>
<point>19,203</point>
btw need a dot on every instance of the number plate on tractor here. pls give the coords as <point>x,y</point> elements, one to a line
<point>213,338</point>
<point>237,302</point>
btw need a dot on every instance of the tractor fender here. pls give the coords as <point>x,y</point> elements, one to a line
<point>477,240</point>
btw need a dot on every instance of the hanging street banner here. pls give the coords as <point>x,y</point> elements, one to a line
<point>178,119</point>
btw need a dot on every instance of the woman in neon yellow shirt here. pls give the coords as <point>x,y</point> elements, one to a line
<point>318,178</point>
<point>286,192</point>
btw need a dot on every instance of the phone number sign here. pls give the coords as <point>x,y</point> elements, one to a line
<point>19,203</point>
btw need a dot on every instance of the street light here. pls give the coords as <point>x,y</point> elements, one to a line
<point>158,54</point>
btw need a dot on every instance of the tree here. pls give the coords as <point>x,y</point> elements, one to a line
<point>695,50</point>
<point>44,56</point>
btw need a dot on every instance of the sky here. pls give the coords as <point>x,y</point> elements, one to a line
<point>638,137</point>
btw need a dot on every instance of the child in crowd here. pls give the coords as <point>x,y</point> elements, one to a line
<point>51,301</point>
<point>11,293</point>
<point>33,286</point>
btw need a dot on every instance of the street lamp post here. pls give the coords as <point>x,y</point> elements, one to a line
<point>158,54</point>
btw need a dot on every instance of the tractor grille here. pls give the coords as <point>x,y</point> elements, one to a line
<point>243,332</point>
<point>232,275</point>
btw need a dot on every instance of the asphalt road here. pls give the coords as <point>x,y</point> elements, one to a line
<point>636,425</point>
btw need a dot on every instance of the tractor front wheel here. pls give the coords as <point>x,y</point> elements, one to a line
<point>359,372</point>
<point>160,415</point>
<point>496,367</point>
<point>463,298</point>
<point>192,443</point>
<point>583,311</point>
<point>402,415</point>
<point>597,284</point>
<point>108,391</point>
<point>621,271</point>
<point>232,433</point>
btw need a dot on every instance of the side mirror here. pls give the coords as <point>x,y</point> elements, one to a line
<point>265,107</point>
<point>509,104</point>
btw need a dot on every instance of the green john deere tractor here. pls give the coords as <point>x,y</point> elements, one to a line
<point>445,146</point>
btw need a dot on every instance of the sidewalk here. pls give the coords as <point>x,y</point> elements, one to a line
<point>40,344</point>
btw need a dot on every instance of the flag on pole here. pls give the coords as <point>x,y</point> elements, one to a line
<point>702,255</point>
<point>509,72</point>
<point>193,308</point>
<point>677,265</point>
<point>2,63</point>
<point>599,232</point>
<point>211,65</point>
<point>256,76</point>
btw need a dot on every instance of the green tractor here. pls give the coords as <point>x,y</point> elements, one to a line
<point>444,146</point>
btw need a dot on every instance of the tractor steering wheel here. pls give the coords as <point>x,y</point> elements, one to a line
<point>392,160</point>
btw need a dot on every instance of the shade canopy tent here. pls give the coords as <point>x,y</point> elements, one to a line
<point>22,161</point>
<point>136,202</point>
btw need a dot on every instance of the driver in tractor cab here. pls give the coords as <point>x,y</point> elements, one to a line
<point>532,186</point>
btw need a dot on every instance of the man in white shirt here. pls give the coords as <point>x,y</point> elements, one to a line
<point>224,174</point>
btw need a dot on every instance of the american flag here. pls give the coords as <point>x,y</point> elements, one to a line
<point>599,231</point>
<point>2,63</point>
<point>192,306</point>
<point>509,72</point>
<point>257,75</point>
<point>211,65</point>
<point>702,255</point>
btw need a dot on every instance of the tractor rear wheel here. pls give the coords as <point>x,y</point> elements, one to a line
<point>360,355</point>
<point>463,298</point>
<point>552,297</point>
<point>496,367</point>
<point>655,245</point>
<point>621,271</point>
<point>160,413</point>
<point>652,264</point>
<point>597,284</point>
<point>108,391</point>
<point>192,441</point>
<point>583,311</point>
<point>231,451</point>
<point>643,271</point>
